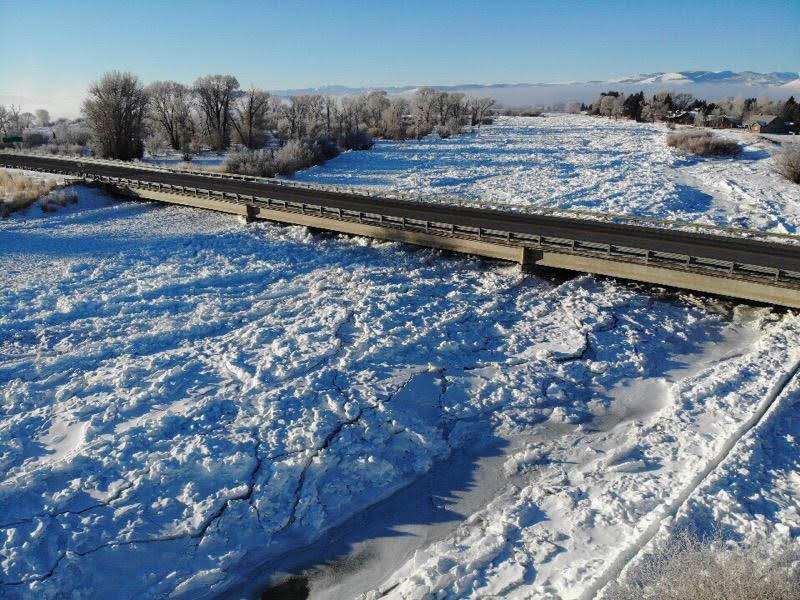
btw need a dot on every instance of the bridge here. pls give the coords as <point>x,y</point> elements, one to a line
<point>739,263</point>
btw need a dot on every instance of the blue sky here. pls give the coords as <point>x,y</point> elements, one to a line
<point>50,51</point>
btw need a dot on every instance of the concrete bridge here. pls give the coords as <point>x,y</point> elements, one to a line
<point>744,264</point>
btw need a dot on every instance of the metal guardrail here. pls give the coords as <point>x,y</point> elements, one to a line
<point>670,260</point>
<point>672,224</point>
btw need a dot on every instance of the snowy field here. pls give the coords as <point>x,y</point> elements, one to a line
<point>576,161</point>
<point>192,406</point>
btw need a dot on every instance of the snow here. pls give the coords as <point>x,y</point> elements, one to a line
<point>191,406</point>
<point>581,162</point>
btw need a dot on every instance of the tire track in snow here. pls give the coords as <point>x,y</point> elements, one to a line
<point>627,556</point>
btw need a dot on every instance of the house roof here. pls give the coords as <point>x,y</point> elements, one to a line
<point>761,119</point>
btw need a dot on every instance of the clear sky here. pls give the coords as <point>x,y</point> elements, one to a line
<point>51,50</point>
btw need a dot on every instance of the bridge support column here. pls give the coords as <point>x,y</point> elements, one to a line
<point>528,257</point>
<point>250,216</point>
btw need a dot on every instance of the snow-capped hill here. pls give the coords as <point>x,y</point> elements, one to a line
<point>792,85</point>
<point>710,85</point>
<point>679,77</point>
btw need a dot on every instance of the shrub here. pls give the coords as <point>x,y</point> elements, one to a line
<point>787,162</point>
<point>690,569</point>
<point>63,149</point>
<point>259,163</point>
<point>77,134</point>
<point>31,139</point>
<point>325,149</point>
<point>356,141</point>
<point>56,199</point>
<point>703,143</point>
<point>295,155</point>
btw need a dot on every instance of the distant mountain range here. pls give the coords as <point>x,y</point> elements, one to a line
<point>710,85</point>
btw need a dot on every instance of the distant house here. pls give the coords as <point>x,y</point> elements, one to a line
<point>683,117</point>
<point>767,124</point>
<point>723,122</point>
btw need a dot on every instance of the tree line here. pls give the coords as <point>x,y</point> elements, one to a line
<point>124,118</point>
<point>662,104</point>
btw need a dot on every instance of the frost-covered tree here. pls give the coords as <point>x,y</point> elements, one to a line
<point>374,105</point>
<point>574,108</point>
<point>393,124</point>
<point>115,112</point>
<point>26,120</point>
<point>424,105</point>
<point>10,120</point>
<point>682,101</point>
<point>156,143</point>
<point>170,110</point>
<point>700,119</point>
<point>296,116</point>
<point>253,115</point>
<point>618,107</point>
<point>42,117</point>
<point>607,105</point>
<point>353,113</point>
<point>215,93</point>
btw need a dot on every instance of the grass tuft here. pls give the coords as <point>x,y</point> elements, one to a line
<point>18,192</point>
<point>787,162</point>
<point>690,569</point>
<point>703,143</point>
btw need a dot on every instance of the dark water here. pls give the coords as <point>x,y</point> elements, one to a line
<point>294,588</point>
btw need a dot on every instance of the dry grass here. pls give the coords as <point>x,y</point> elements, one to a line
<point>787,162</point>
<point>690,569</point>
<point>18,192</point>
<point>190,166</point>
<point>703,143</point>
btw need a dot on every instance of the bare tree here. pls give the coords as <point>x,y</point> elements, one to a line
<point>353,110</point>
<point>456,106</point>
<point>42,117</point>
<point>479,109</point>
<point>331,111</point>
<point>115,112</point>
<point>170,110</point>
<point>215,93</point>
<point>252,116</point>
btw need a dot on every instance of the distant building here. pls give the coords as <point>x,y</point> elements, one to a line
<point>683,117</point>
<point>767,124</point>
